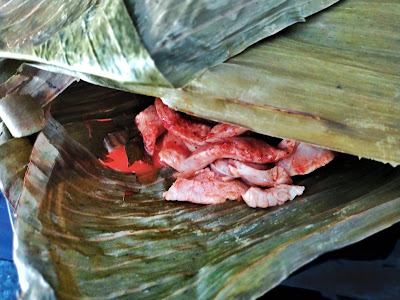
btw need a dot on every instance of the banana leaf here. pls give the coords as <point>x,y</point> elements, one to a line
<point>148,42</point>
<point>14,159</point>
<point>81,235</point>
<point>332,81</point>
<point>8,67</point>
<point>23,95</point>
<point>96,240</point>
<point>5,134</point>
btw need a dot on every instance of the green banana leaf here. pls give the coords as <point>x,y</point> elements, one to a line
<point>23,95</point>
<point>332,81</point>
<point>14,159</point>
<point>81,235</point>
<point>148,42</point>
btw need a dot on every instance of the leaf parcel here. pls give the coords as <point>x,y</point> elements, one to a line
<point>97,241</point>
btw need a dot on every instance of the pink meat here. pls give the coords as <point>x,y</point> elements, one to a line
<point>185,129</point>
<point>173,151</point>
<point>264,178</point>
<point>304,159</point>
<point>245,149</point>
<point>150,126</point>
<point>256,197</point>
<point>205,174</point>
<point>194,133</point>
<point>205,187</point>
<point>223,130</point>
<point>288,145</point>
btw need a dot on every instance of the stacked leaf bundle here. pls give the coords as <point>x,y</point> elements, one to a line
<point>332,82</point>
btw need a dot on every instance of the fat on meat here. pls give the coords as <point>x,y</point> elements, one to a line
<point>173,151</point>
<point>194,133</point>
<point>223,130</point>
<point>246,149</point>
<point>205,187</point>
<point>278,195</point>
<point>150,126</point>
<point>206,174</point>
<point>304,159</point>
<point>236,169</point>
<point>187,130</point>
<point>289,145</point>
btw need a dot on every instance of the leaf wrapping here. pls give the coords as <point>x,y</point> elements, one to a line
<point>145,42</point>
<point>95,241</point>
<point>332,82</point>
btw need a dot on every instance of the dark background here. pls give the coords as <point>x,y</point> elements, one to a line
<point>369,269</point>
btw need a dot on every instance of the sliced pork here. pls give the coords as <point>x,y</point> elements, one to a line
<point>245,149</point>
<point>215,163</point>
<point>173,151</point>
<point>304,159</point>
<point>150,126</point>
<point>288,145</point>
<point>194,133</point>
<point>265,178</point>
<point>222,130</point>
<point>187,130</point>
<point>206,174</point>
<point>205,187</point>
<point>256,197</point>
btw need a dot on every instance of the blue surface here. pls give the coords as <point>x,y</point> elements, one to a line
<point>9,286</point>
<point>6,233</point>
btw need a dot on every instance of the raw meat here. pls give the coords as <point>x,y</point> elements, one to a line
<point>264,178</point>
<point>256,197</point>
<point>223,130</point>
<point>150,126</point>
<point>173,151</point>
<point>215,163</point>
<point>205,187</point>
<point>304,159</point>
<point>245,149</point>
<point>185,129</point>
<point>194,133</point>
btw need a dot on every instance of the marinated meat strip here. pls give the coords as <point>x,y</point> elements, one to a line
<point>222,130</point>
<point>304,159</point>
<point>150,126</point>
<point>205,187</point>
<point>187,130</point>
<point>194,133</point>
<point>205,174</point>
<point>235,162</point>
<point>259,166</point>
<point>245,149</point>
<point>192,146</point>
<point>256,197</point>
<point>265,178</point>
<point>173,151</point>
<point>288,145</point>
